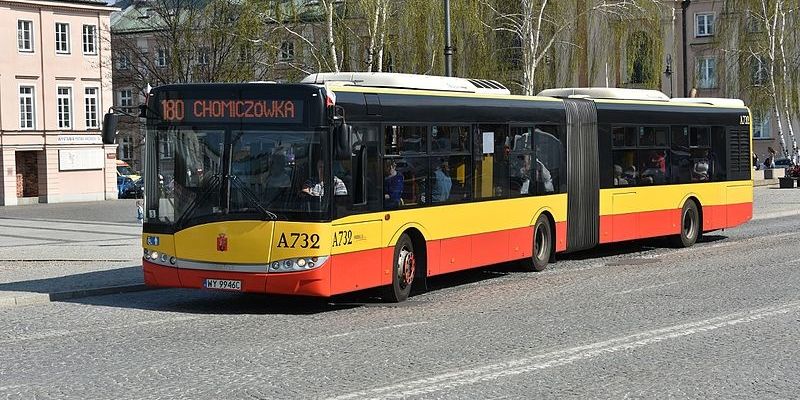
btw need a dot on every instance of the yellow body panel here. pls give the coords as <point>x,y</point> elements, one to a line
<point>246,242</point>
<point>166,243</point>
<point>457,220</point>
<point>351,236</point>
<point>669,197</point>
<point>258,242</point>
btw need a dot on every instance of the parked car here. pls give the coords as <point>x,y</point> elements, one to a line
<point>135,190</point>
<point>123,182</point>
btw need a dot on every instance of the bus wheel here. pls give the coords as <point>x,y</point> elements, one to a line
<point>690,226</point>
<point>404,266</point>
<point>542,245</point>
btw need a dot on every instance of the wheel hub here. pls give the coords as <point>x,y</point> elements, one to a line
<point>406,264</point>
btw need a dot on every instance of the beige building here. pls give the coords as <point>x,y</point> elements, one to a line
<point>55,85</point>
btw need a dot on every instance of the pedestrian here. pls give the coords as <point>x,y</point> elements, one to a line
<point>139,212</point>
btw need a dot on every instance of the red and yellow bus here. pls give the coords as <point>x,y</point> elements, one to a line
<point>352,181</point>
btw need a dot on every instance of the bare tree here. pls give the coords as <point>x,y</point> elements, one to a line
<point>539,25</point>
<point>767,53</point>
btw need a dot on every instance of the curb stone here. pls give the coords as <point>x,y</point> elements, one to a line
<point>27,298</point>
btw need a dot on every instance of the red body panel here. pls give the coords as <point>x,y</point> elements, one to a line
<point>617,228</point>
<point>355,271</point>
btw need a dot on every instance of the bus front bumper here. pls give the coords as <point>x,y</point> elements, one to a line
<point>315,282</point>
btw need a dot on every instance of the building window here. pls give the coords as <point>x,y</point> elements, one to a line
<point>25,36</point>
<point>161,58</point>
<point>202,56</point>
<point>89,39</point>
<point>62,38</point>
<point>64,102</point>
<point>707,73</point>
<point>126,99</point>
<point>704,24</point>
<point>26,110</point>
<point>166,146</point>
<point>758,71</point>
<point>287,51</point>
<point>126,148</point>
<point>123,62</point>
<point>761,125</point>
<point>92,102</point>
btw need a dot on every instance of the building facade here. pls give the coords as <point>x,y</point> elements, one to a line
<point>715,66</point>
<point>55,85</point>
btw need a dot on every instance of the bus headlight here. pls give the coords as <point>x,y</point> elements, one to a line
<point>296,264</point>
<point>159,258</point>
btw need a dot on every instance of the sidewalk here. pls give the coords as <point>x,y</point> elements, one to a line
<point>64,251</point>
<point>51,252</point>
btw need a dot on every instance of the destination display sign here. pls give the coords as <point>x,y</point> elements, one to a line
<point>220,110</point>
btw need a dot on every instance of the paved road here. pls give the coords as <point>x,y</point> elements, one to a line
<point>719,320</point>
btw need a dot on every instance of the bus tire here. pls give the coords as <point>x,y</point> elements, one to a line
<point>689,225</point>
<point>403,270</point>
<point>542,245</point>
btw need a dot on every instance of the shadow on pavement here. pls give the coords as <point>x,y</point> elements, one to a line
<point>83,281</point>
<point>198,301</point>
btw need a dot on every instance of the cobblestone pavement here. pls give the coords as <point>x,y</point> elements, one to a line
<point>60,247</point>
<point>721,319</point>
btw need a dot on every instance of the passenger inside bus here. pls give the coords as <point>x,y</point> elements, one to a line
<point>314,186</point>
<point>392,186</point>
<point>654,168</point>
<point>442,183</point>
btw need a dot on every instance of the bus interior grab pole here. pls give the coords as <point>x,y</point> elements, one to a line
<point>448,46</point>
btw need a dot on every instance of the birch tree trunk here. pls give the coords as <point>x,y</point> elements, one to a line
<point>771,26</point>
<point>329,6</point>
<point>787,84</point>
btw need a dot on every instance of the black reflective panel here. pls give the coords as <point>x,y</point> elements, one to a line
<point>401,140</point>
<point>680,136</point>
<point>652,137</point>
<point>700,136</point>
<point>624,136</point>
<point>450,139</point>
<point>719,143</point>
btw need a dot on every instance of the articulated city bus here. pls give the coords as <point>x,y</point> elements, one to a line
<point>352,181</point>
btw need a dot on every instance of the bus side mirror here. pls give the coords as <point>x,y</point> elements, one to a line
<point>360,177</point>
<point>341,141</point>
<point>109,128</point>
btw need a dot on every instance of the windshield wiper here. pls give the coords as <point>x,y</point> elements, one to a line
<point>267,214</point>
<point>213,184</point>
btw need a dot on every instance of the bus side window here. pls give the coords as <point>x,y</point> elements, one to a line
<point>549,160</point>
<point>491,162</point>
<point>680,160</point>
<point>719,143</point>
<point>367,135</point>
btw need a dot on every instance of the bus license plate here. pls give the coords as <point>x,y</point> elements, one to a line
<point>222,284</point>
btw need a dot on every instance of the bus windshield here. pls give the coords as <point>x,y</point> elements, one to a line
<point>207,174</point>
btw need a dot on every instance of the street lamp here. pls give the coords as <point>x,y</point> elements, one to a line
<point>448,46</point>
<point>668,72</point>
